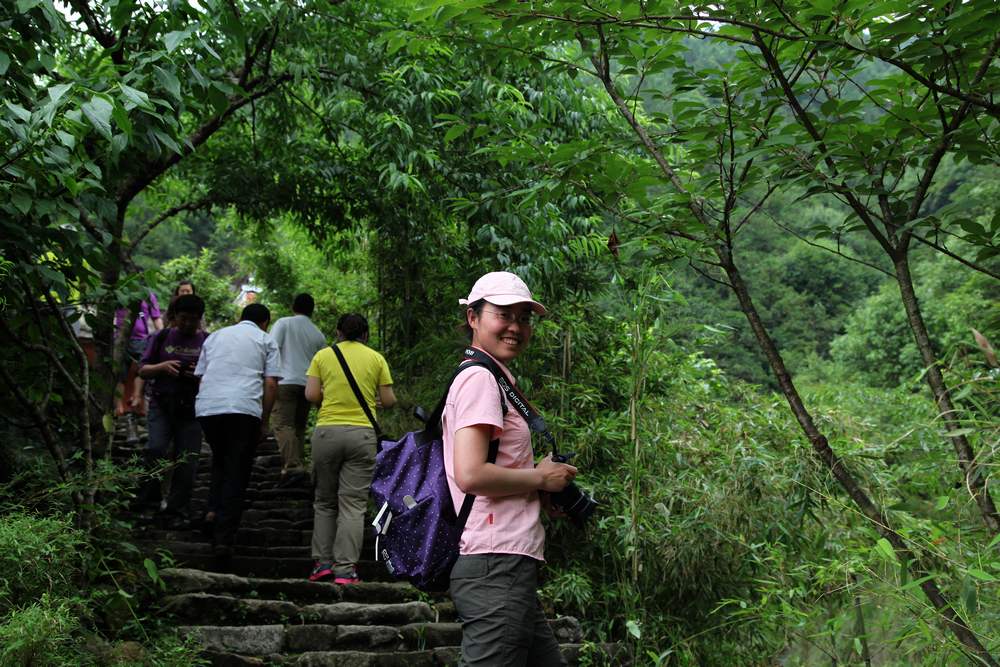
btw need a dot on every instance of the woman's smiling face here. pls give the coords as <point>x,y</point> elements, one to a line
<point>502,331</point>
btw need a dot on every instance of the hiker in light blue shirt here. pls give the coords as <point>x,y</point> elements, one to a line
<point>298,340</point>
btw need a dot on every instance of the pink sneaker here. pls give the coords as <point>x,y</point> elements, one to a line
<point>351,578</point>
<point>321,571</point>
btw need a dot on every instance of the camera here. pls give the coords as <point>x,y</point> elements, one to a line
<point>572,501</point>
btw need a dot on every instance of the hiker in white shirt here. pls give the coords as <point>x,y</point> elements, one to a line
<point>239,369</point>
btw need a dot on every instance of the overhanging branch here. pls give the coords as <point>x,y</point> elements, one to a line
<point>204,202</point>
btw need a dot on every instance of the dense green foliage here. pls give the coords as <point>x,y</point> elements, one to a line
<point>661,174</point>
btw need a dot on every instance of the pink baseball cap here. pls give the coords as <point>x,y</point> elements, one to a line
<point>502,288</point>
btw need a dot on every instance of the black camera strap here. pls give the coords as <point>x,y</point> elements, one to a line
<point>514,397</point>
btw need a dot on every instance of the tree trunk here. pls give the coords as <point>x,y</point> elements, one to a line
<point>975,481</point>
<point>821,446</point>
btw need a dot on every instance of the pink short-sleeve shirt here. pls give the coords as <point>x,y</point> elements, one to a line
<point>506,524</point>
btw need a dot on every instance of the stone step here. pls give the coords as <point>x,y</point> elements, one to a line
<point>256,536</point>
<point>574,654</point>
<point>264,521</point>
<point>248,565</point>
<point>212,609</point>
<point>300,518</point>
<point>196,545</point>
<point>203,547</point>
<point>266,492</point>
<point>272,639</point>
<point>299,590</point>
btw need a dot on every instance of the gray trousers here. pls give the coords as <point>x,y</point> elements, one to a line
<point>503,624</point>
<point>184,431</point>
<point>343,461</point>
<point>288,421</point>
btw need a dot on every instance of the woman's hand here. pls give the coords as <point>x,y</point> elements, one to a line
<point>555,476</point>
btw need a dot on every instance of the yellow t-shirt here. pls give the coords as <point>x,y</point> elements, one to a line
<point>340,406</point>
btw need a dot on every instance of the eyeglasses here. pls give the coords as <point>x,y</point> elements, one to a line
<point>524,319</point>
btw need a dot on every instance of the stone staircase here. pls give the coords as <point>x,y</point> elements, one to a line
<point>265,612</point>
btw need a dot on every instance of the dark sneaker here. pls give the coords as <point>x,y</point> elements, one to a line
<point>293,480</point>
<point>207,526</point>
<point>321,571</point>
<point>169,519</point>
<point>349,578</point>
<point>222,558</point>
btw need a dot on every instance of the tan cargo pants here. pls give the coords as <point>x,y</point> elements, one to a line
<point>343,461</point>
<point>288,420</point>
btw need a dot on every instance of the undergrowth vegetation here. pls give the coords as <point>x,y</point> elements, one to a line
<point>70,596</point>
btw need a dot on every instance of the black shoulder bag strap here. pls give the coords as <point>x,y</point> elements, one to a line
<point>357,392</point>
<point>158,338</point>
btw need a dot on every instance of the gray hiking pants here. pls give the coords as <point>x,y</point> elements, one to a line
<point>503,624</point>
<point>343,461</point>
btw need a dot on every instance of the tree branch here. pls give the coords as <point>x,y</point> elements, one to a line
<point>803,118</point>
<point>134,185</point>
<point>94,27</point>
<point>166,215</point>
<point>40,422</point>
<point>943,250</point>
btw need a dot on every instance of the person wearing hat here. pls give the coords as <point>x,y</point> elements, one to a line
<point>495,579</point>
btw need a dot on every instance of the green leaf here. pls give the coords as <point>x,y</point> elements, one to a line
<point>67,139</point>
<point>884,549</point>
<point>19,111</point>
<point>169,82</point>
<point>122,13</point>
<point>173,39</point>
<point>633,629</point>
<point>135,96</point>
<point>993,542</point>
<point>22,200</point>
<point>4,63</point>
<point>970,596</point>
<point>57,91</point>
<point>98,112</point>
<point>454,132</point>
<point>942,502</point>
<point>122,120</point>
<point>916,582</point>
<point>167,141</point>
<point>982,575</point>
<point>151,569</point>
<point>24,6</point>
<point>233,26</point>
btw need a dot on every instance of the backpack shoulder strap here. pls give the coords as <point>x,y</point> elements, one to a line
<point>434,426</point>
<point>158,341</point>
<point>433,423</point>
<point>463,514</point>
<point>357,390</point>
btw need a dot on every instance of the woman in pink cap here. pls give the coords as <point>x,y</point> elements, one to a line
<point>495,579</point>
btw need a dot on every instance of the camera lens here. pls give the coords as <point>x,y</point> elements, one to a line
<point>575,504</point>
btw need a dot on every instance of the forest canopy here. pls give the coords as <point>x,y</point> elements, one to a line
<point>768,235</point>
